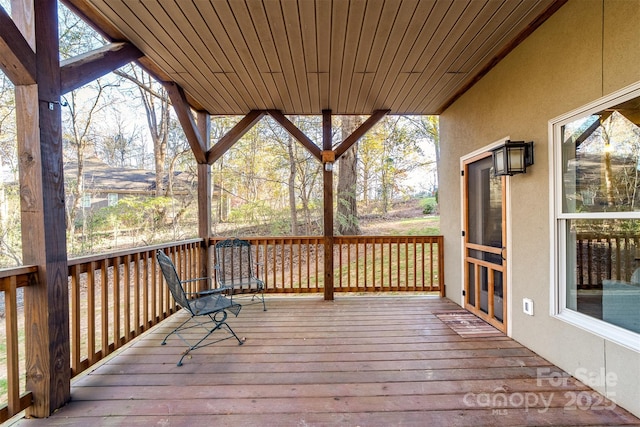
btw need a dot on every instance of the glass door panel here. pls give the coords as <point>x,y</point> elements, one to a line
<point>485,241</point>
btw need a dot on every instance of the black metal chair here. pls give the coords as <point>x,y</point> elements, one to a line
<point>236,273</point>
<point>207,309</point>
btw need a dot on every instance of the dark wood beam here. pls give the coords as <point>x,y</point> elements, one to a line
<point>85,68</point>
<point>295,132</point>
<point>42,205</point>
<point>17,59</point>
<point>89,14</point>
<point>234,135</point>
<point>183,111</point>
<point>327,177</point>
<point>204,199</point>
<point>359,132</point>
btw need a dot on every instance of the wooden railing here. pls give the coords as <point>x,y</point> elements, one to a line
<point>17,399</point>
<point>109,309</point>
<point>361,263</point>
<point>113,298</point>
<point>605,256</point>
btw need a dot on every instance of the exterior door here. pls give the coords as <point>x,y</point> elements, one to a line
<point>485,254</point>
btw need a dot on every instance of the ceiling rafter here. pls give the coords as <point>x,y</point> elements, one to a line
<point>189,125</point>
<point>82,69</point>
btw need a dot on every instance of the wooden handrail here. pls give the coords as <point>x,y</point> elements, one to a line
<point>362,263</point>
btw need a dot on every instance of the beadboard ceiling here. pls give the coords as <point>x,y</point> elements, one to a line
<point>305,56</point>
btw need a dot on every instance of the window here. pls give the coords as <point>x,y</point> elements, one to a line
<point>112,199</point>
<point>597,216</point>
<point>86,201</point>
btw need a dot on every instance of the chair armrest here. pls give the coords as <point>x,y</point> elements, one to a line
<point>210,292</point>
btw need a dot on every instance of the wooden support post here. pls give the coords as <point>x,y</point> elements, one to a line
<point>204,198</point>
<point>38,119</point>
<point>327,176</point>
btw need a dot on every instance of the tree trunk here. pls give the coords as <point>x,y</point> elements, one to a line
<point>292,187</point>
<point>347,214</point>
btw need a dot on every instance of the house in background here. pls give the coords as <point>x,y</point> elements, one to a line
<point>104,185</point>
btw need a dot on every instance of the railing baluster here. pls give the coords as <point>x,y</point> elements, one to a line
<point>317,252</point>
<point>126,285</point>
<point>308,265</point>
<point>138,328</point>
<point>75,319</point>
<point>372,257</point>
<point>282,264</point>
<point>91,313</point>
<point>116,301</point>
<point>432,275</point>
<point>105,307</point>
<point>13,360</point>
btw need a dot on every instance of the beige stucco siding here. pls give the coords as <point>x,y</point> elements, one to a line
<point>588,49</point>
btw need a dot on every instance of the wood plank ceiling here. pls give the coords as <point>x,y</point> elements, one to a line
<point>304,56</point>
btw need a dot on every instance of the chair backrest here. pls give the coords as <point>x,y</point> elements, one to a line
<point>173,280</point>
<point>233,262</point>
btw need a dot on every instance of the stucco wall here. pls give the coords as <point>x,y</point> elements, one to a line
<point>588,49</point>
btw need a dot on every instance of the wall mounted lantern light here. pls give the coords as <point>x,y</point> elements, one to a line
<point>512,157</point>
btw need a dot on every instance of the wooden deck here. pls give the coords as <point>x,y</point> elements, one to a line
<point>356,361</point>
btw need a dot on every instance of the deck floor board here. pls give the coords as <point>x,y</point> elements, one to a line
<point>359,360</point>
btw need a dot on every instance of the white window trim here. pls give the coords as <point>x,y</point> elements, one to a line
<point>558,261</point>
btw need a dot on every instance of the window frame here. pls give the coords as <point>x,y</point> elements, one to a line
<point>110,199</point>
<point>559,221</point>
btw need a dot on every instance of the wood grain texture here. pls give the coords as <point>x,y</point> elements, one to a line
<point>17,59</point>
<point>295,132</point>
<point>374,361</point>
<point>46,304</point>
<point>83,69</point>
<point>305,56</point>
<point>188,123</point>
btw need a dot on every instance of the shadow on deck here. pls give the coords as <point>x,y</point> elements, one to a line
<point>365,360</point>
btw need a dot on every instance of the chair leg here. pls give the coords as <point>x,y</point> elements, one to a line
<point>179,328</point>
<point>264,306</point>
<point>218,323</point>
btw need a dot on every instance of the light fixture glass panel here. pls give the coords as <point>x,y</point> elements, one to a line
<point>516,158</point>
<point>499,164</point>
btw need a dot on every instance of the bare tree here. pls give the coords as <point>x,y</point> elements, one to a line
<point>79,118</point>
<point>8,154</point>
<point>121,147</point>
<point>156,106</point>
